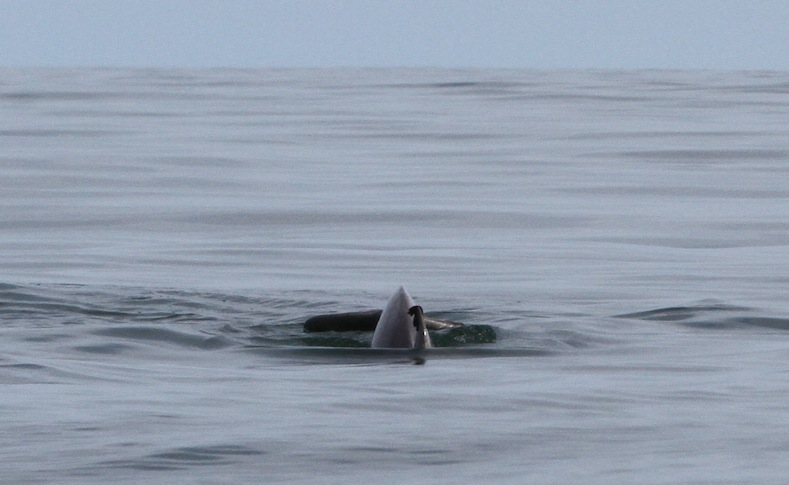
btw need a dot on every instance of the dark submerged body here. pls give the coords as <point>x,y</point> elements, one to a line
<point>363,322</point>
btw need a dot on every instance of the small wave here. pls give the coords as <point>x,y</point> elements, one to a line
<point>112,348</point>
<point>165,335</point>
<point>185,457</point>
<point>45,133</point>
<point>727,155</point>
<point>711,316</point>
<point>764,322</point>
<point>370,356</point>
<point>681,313</point>
<point>32,373</point>
<point>59,304</point>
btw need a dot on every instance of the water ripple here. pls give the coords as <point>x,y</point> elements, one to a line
<point>186,457</point>
<point>715,316</point>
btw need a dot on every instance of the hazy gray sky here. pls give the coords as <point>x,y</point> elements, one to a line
<point>723,34</point>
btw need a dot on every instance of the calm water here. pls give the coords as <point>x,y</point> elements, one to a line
<point>164,233</point>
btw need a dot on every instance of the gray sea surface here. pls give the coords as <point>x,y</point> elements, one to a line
<point>616,242</point>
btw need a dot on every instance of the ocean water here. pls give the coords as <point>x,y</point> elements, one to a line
<point>624,235</point>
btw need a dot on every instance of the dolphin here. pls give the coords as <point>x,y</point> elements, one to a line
<point>401,324</point>
<point>364,321</point>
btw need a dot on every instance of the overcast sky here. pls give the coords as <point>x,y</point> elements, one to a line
<point>685,34</point>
